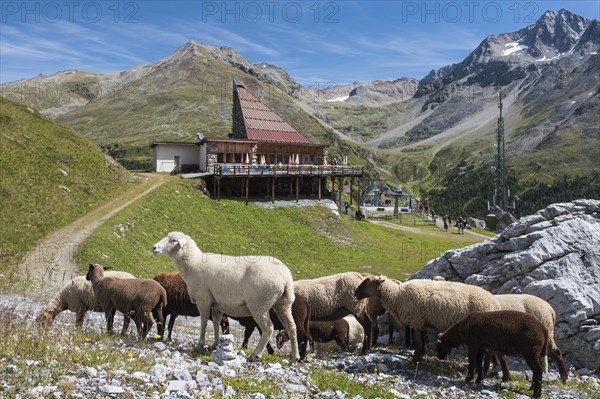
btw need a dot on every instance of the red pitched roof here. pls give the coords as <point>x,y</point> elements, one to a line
<point>262,124</point>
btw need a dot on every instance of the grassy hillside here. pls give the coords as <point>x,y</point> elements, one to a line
<point>312,241</point>
<point>50,176</point>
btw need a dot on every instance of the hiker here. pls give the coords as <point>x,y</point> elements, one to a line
<point>346,206</point>
<point>445,219</point>
<point>461,225</point>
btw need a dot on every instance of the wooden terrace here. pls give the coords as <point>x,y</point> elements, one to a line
<point>312,178</point>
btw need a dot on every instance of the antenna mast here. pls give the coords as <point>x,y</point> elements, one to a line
<point>501,192</point>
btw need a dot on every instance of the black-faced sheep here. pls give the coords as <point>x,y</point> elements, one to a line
<point>135,298</point>
<point>504,332</point>
<point>178,301</point>
<point>235,286</point>
<point>77,296</point>
<point>425,303</point>
<point>332,297</point>
<point>536,307</point>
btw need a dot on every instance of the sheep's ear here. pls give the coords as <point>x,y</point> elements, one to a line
<point>108,268</point>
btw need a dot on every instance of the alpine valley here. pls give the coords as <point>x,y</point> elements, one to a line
<point>435,136</point>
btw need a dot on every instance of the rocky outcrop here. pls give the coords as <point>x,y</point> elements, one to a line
<point>553,254</point>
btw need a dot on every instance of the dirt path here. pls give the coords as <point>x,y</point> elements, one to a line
<point>437,233</point>
<point>52,263</point>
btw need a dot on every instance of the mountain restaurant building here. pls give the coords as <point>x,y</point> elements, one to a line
<point>264,155</point>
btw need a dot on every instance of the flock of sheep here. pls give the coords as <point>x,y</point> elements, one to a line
<point>260,293</point>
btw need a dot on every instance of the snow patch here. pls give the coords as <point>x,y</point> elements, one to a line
<point>338,99</point>
<point>513,47</point>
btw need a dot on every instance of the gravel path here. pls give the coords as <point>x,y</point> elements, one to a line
<point>52,264</point>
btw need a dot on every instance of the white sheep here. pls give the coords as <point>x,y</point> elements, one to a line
<point>77,296</point>
<point>537,307</point>
<point>236,286</point>
<point>135,298</point>
<point>332,297</point>
<point>426,303</point>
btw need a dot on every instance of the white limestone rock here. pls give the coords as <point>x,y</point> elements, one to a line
<point>553,254</point>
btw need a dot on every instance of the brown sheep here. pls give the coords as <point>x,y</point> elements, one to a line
<point>504,332</point>
<point>133,297</point>
<point>178,301</point>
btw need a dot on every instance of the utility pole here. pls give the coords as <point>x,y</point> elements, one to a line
<point>501,190</point>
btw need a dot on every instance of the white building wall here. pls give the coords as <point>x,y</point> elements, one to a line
<point>164,156</point>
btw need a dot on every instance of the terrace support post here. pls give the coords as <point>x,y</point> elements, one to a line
<point>273,191</point>
<point>351,189</point>
<point>340,189</point>
<point>214,187</point>
<point>219,189</point>
<point>320,181</point>
<point>247,184</point>
<point>297,188</point>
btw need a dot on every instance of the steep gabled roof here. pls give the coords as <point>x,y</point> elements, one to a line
<point>262,124</point>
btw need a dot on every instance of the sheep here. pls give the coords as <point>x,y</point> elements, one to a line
<point>132,297</point>
<point>327,331</point>
<point>77,296</point>
<point>355,334</point>
<point>501,331</point>
<point>236,286</point>
<point>425,303</point>
<point>332,297</point>
<point>178,301</point>
<point>535,306</point>
<point>301,315</point>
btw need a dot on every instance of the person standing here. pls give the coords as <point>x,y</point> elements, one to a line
<point>445,220</point>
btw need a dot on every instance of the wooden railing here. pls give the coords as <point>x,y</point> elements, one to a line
<point>240,170</point>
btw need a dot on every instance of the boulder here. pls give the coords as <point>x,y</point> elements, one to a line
<point>553,254</point>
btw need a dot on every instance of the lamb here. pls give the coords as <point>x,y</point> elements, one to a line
<point>77,296</point>
<point>502,331</point>
<point>178,301</point>
<point>132,297</point>
<point>236,286</point>
<point>535,306</point>
<point>426,303</point>
<point>323,339</point>
<point>332,297</point>
<point>301,315</point>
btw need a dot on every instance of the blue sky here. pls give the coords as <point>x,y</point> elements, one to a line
<point>316,42</point>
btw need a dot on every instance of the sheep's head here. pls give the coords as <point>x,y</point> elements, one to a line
<point>94,271</point>
<point>443,346</point>
<point>369,287</point>
<point>281,339</point>
<point>173,242</point>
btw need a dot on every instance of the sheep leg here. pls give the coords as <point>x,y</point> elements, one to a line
<point>157,314</point>
<point>216,315</point>
<point>110,318</point>
<point>534,362</point>
<point>265,326</point>
<point>486,362</point>
<point>473,351</point>
<point>365,322</point>
<point>171,324</point>
<point>248,330</point>
<point>204,316</point>
<point>284,313</point>
<point>479,364</point>
<point>419,343</point>
<point>504,366</point>
<point>79,316</point>
<point>125,327</point>
<point>147,324</point>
